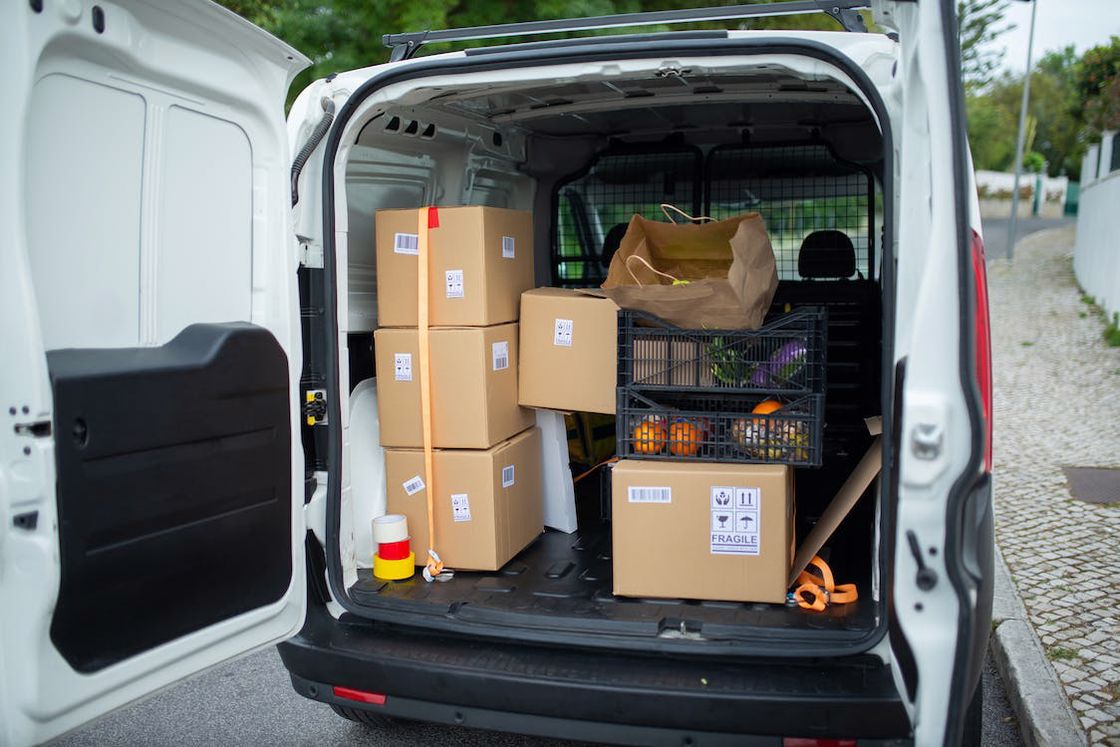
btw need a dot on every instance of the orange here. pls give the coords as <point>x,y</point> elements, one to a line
<point>766,406</point>
<point>649,437</point>
<point>684,439</point>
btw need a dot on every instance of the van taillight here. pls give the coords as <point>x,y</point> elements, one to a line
<point>360,696</point>
<point>807,742</point>
<point>983,340</point>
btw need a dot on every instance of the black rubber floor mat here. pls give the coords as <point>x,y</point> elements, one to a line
<point>563,582</point>
<point>1094,484</point>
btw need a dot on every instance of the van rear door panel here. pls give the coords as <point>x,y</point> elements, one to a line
<point>937,600</point>
<point>150,497</point>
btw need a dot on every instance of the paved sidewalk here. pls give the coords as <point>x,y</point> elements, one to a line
<point>1057,403</point>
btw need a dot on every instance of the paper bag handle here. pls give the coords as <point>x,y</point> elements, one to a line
<point>666,207</point>
<point>653,269</point>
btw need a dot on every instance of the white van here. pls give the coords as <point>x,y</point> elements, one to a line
<point>181,267</point>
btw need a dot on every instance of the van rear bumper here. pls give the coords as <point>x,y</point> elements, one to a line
<point>624,699</point>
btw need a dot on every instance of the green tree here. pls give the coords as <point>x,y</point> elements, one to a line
<point>980,23</point>
<point>1097,82</point>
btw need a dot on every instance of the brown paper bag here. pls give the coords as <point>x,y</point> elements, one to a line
<point>728,265</point>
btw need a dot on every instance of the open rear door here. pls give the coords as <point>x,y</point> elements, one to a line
<point>942,571</point>
<point>151,485</point>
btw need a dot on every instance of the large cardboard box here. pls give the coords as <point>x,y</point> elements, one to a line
<point>474,386</point>
<point>569,351</point>
<point>480,260</point>
<point>702,531</point>
<point>487,503</point>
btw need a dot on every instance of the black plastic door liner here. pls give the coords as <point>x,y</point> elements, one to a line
<point>173,488</point>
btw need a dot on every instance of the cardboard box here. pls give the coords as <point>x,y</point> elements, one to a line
<point>487,503</point>
<point>480,260</point>
<point>702,531</point>
<point>569,351</point>
<point>474,386</point>
<point>845,499</point>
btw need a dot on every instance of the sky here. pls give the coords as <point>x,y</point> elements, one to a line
<point>1083,23</point>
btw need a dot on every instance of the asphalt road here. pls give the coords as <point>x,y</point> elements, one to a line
<point>251,702</point>
<point>996,229</point>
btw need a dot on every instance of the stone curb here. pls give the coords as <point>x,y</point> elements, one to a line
<point>1045,717</point>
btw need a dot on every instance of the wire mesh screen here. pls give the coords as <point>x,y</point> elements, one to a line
<point>594,209</point>
<point>798,189</point>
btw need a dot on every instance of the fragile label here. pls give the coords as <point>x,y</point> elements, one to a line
<point>406,243</point>
<point>499,353</point>
<point>507,247</point>
<point>562,333</point>
<point>460,507</point>
<point>454,283</point>
<point>507,476</point>
<point>402,366</point>
<point>413,485</point>
<point>649,495</point>
<point>735,521</point>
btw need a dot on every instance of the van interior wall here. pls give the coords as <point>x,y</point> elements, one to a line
<point>434,156</point>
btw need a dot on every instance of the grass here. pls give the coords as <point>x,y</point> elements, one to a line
<point>1060,653</point>
<point>1026,343</point>
<point>1112,329</point>
<point>1112,332</point>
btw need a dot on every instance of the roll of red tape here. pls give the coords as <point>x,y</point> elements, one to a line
<point>394,550</point>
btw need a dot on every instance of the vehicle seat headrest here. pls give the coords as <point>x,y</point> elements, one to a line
<point>826,254</point>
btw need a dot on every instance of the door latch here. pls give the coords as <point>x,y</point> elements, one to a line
<point>315,407</point>
<point>926,440</point>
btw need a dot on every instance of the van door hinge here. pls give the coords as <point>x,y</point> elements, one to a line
<point>310,253</point>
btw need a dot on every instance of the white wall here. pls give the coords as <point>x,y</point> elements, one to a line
<point>998,181</point>
<point>1096,254</point>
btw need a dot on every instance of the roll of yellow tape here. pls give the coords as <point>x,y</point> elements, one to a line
<point>394,570</point>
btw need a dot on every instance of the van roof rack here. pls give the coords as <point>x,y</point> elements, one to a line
<point>405,45</point>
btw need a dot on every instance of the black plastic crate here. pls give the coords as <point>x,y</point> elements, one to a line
<point>785,357</point>
<point>722,427</point>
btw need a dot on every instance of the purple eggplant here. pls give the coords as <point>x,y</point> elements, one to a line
<point>782,366</point>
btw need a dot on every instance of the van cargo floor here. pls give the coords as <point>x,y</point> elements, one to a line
<point>562,582</point>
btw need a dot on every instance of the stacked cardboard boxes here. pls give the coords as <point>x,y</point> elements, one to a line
<point>486,463</point>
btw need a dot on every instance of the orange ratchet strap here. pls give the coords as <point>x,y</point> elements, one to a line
<point>817,592</point>
<point>427,219</point>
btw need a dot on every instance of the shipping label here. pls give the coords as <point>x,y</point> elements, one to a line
<point>460,507</point>
<point>499,354</point>
<point>735,528</point>
<point>643,494</point>
<point>454,283</point>
<point>413,485</point>
<point>507,247</point>
<point>406,243</point>
<point>507,476</point>
<point>562,334</point>
<point>402,366</point>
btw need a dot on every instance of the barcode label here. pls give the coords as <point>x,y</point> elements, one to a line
<point>402,366</point>
<point>413,485</point>
<point>406,243</point>
<point>562,333</point>
<point>460,507</point>
<point>454,281</point>
<point>507,476</point>
<point>507,247</point>
<point>649,495</point>
<point>499,352</point>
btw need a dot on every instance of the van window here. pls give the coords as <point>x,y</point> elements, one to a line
<point>799,189</point>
